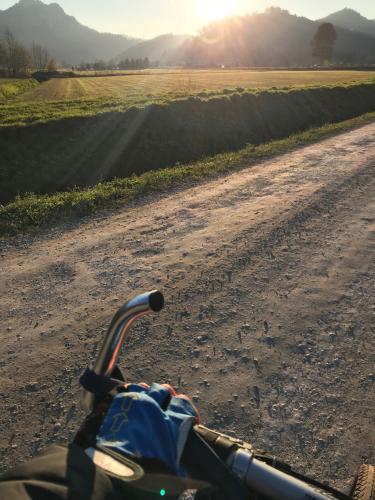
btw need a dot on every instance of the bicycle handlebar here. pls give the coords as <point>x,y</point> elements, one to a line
<point>259,477</point>
<point>122,321</point>
<point>120,326</point>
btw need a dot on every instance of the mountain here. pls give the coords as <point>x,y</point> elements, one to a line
<point>159,49</point>
<point>351,20</point>
<point>64,37</point>
<point>273,38</point>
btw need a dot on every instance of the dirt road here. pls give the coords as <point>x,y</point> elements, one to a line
<point>269,279</point>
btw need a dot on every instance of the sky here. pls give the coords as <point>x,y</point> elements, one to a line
<point>148,18</point>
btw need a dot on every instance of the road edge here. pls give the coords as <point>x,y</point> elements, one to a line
<point>32,213</point>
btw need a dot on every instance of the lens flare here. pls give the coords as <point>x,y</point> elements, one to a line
<point>210,10</point>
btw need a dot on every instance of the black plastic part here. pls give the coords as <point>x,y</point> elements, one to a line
<point>86,436</point>
<point>117,374</point>
<point>156,301</point>
<point>222,445</point>
<point>203,464</point>
<point>97,384</point>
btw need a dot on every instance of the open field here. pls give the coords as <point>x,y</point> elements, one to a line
<point>74,97</point>
<point>155,83</point>
<point>89,96</point>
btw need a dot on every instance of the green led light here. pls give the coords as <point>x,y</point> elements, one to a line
<point>163,493</point>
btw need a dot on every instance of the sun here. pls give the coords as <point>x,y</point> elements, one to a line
<point>210,10</point>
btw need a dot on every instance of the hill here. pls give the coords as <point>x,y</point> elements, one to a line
<point>66,39</point>
<point>273,38</point>
<point>160,48</point>
<point>351,20</point>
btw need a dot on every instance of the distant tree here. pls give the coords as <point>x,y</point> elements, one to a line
<point>21,61</point>
<point>323,43</point>
<point>134,63</point>
<point>51,66</point>
<point>3,56</point>
<point>17,57</point>
<point>99,65</point>
<point>10,44</point>
<point>123,65</point>
<point>39,57</point>
<point>277,11</point>
<point>85,66</point>
<point>111,64</point>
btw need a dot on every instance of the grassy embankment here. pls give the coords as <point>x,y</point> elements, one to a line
<point>65,148</point>
<point>32,211</point>
<point>10,87</point>
<point>79,151</point>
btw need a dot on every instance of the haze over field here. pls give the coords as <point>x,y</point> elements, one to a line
<point>150,18</point>
<point>272,38</point>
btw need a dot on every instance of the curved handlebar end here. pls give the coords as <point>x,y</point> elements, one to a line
<point>150,302</point>
<point>156,301</point>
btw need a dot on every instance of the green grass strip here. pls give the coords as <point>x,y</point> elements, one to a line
<point>11,88</point>
<point>30,212</point>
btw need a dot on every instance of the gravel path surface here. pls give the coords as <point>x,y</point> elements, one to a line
<point>269,279</point>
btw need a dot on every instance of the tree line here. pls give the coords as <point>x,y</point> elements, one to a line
<point>134,63</point>
<point>112,65</point>
<point>16,60</point>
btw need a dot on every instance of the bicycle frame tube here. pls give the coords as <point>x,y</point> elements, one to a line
<point>272,483</point>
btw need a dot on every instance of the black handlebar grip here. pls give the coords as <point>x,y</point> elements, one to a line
<point>204,464</point>
<point>156,301</point>
<point>222,445</point>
